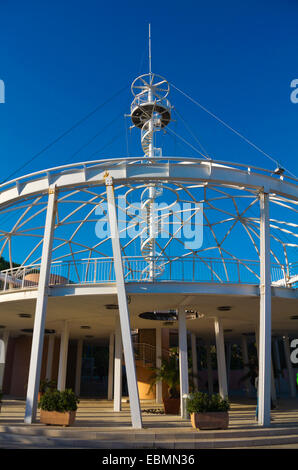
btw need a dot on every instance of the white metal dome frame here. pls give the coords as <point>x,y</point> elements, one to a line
<point>28,199</point>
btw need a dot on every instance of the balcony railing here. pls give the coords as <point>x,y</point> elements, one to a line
<point>175,269</point>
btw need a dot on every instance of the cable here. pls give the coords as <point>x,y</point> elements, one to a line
<point>231,128</point>
<point>192,133</point>
<point>116,137</point>
<point>44,149</point>
<point>185,141</point>
<point>94,137</point>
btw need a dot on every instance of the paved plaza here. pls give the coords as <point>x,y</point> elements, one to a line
<point>98,426</point>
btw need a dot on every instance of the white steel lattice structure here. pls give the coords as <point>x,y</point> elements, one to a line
<point>174,232</point>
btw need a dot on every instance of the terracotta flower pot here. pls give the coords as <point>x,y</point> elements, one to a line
<point>57,418</point>
<point>171,406</point>
<point>210,420</point>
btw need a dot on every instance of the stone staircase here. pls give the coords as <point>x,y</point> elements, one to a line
<point>35,436</point>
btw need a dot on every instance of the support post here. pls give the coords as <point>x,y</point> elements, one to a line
<point>3,351</point>
<point>50,355</point>
<point>40,312</point>
<point>132,384</point>
<point>111,365</point>
<point>183,362</point>
<point>292,384</point>
<point>79,366</point>
<point>63,356</point>
<point>118,368</point>
<point>264,384</point>
<point>194,360</point>
<point>221,360</point>
<point>158,349</point>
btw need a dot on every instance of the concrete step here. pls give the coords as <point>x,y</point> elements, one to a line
<point>128,434</point>
<point>21,441</point>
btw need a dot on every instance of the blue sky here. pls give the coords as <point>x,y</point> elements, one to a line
<point>61,59</point>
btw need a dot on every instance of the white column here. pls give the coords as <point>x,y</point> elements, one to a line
<point>63,356</point>
<point>245,361</point>
<point>158,350</point>
<point>79,366</point>
<point>40,312</point>
<point>292,384</point>
<point>209,367</point>
<point>132,384</point>
<point>111,366</point>
<point>264,385</point>
<point>194,360</point>
<point>3,351</point>
<point>183,362</point>
<point>221,360</point>
<point>51,344</point>
<point>118,368</point>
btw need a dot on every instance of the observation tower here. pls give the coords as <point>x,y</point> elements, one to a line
<point>141,253</point>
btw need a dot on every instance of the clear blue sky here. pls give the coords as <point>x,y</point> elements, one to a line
<point>60,59</point>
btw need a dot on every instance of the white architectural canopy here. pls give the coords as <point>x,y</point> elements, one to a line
<point>177,233</point>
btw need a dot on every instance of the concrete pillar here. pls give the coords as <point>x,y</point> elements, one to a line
<point>40,312</point>
<point>3,351</point>
<point>209,367</point>
<point>194,360</point>
<point>63,356</point>
<point>292,385</point>
<point>111,365</point>
<point>132,384</point>
<point>158,349</point>
<point>79,366</point>
<point>183,360</point>
<point>118,368</point>
<point>265,377</point>
<point>50,355</point>
<point>221,360</point>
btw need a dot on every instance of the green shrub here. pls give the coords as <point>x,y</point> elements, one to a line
<point>55,400</point>
<point>47,384</point>
<point>168,374</point>
<point>200,402</point>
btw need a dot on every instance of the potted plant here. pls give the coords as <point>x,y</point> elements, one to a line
<point>168,374</point>
<point>208,411</point>
<point>46,385</point>
<point>58,407</point>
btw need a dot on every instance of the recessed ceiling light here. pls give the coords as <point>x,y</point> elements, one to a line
<point>227,330</point>
<point>89,336</point>
<point>224,308</point>
<point>85,327</point>
<point>25,315</point>
<point>116,306</point>
<point>112,306</point>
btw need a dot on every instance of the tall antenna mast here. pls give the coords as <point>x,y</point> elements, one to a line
<point>149,49</point>
<point>150,112</point>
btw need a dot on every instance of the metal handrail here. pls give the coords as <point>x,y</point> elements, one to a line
<point>176,269</point>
